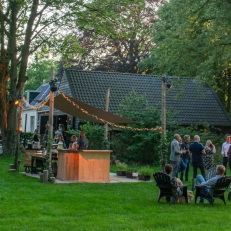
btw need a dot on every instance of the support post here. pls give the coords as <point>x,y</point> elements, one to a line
<point>163,111</point>
<point>50,131</point>
<point>106,109</point>
<point>163,124</point>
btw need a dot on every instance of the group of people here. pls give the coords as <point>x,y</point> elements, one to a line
<point>202,157</point>
<point>80,143</point>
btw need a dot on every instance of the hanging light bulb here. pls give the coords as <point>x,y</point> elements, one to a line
<point>16,102</point>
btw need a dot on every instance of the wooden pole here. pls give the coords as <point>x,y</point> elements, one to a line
<point>50,131</point>
<point>106,109</point>
<point>163,111</point>
<point>163,124</point>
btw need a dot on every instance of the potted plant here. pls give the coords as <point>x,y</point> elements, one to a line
<point>144,173</point>
<point>121,169</point>
<point>130,171</point>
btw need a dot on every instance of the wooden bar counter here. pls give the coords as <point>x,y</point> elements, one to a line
<point>84,166</point>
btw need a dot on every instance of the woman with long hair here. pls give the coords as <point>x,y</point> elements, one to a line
<point>210,149</point>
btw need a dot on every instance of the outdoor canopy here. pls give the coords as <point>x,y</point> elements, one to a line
<point>62,104</point>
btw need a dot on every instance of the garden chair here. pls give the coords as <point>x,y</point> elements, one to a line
<point>217,192</point>
<point>168,187</point>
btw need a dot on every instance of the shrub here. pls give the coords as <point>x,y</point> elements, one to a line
<point>145,171</point>
<point>94,134</point>
<point>133,145</point>
<point>122,166</point>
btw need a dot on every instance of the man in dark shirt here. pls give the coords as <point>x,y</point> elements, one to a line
<point>197,150</point>
<point>185,157</point>
<point>82,142</point>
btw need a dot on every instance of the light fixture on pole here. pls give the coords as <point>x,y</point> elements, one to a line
<point>166,82</point>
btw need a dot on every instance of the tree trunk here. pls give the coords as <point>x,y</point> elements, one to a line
<point>17,80</point>
<point>11,135</point>
<point>4,76</point>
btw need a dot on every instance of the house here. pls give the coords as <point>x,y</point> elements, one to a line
<point>193,103</point>
<point>33,115</point>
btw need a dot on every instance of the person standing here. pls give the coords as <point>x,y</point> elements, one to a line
<point>225,149</point>
<point>197,150</point>
<point>82,142</point>
<point>45,136</point>
<point>185,157</point>
<point>74,145</point>
<point>36,135</point>
<point>210,149</point>
<point>175,154</point>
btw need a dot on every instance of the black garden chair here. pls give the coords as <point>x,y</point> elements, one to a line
<point>217,192</point>
<point>168,187</point>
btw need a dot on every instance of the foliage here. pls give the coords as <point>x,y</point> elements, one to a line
<point>163,152</point>
<point>38,26</point>
<point>24,137</point>
<point>138,146</point>
<point>192,39</point>
<point>48,167</point>
<point>39,72</point>
<point>131,170</point>
<point>120,47</point>
<point>145,171</point>
<point>121,166</point>
<point>94,134</point>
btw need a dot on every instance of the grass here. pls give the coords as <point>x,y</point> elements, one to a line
<point>27,205</point>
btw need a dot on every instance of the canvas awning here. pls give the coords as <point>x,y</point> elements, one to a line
<point>62,104</point>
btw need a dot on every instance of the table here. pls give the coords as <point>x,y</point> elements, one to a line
<point>84,166</point>
<point>41,158</point>
<point>30,156</point>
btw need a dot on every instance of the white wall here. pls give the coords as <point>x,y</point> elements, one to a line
<point>29,120</point>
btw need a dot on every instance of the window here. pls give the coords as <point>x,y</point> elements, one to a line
<point>32,123</point>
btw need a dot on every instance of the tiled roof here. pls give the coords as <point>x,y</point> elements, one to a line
<point>44,90</point>
<point>194,103</point>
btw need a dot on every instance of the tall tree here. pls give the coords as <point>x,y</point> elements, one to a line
<point>29,26</point>
<point>38,72</point>
<point>122,49</point>
<point>192,38</point>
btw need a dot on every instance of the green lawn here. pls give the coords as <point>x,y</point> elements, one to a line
<point>27,205</point>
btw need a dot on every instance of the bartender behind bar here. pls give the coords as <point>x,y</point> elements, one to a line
<point>83,141</point>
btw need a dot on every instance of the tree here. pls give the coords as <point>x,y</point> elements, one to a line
<point>122,49</point>
<point>34,25</point>
<point>38,72</point>
<point>133,145</point>
<point>192,39</point>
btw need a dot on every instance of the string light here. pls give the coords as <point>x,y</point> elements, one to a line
<point>34,107</point>
<point>87,113</point>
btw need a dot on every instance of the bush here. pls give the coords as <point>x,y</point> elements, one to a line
<point>94,134</point>
<point>122,166</point>
<point>136,146</point>
<point>145,171</point>
<point>24,137</point>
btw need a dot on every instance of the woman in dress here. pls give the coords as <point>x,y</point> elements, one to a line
<point>208,156</point>
<point>74,145</point>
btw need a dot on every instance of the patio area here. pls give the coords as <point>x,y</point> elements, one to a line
<point>113,179</point>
